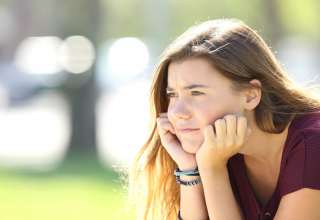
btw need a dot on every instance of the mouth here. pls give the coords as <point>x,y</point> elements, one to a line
<point>188,130</point>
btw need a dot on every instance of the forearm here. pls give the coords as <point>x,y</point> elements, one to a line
<point>192,202</point>
<point>219,197</point>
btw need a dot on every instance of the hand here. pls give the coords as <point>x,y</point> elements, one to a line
<point>218,146</point>
<point>173,146</point>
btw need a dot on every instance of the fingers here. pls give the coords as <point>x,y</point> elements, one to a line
<point>221,131</point>
<point>242,130</point>
<point>231,124</point>
<point>169,140</point>
<point>164,124</point>
<point>231,121</point>
<point>231,130</point>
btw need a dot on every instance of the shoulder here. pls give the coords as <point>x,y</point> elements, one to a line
<point>300,176</point>
<point>301,159</point>
<point>304,131</point>
<point>309,121</point>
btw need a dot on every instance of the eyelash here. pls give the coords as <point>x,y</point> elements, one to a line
<point>195,93</point>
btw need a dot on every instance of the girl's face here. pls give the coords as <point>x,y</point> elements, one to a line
<point>199,95</point>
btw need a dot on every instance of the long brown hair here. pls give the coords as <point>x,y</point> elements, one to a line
<point>241,55</point>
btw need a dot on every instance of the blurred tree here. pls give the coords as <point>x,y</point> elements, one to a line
<point>73,17</point>
<point>156,27</point>
<point>273,22</point>
<point>64,19</point>
<point>81,17</point>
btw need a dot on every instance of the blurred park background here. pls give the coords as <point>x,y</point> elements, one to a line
<point>74,85</point>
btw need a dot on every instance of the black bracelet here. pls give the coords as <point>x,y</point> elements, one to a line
<point>188,183</point>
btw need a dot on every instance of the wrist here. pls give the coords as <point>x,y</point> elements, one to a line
<point>191,172</point>
<point>213,166</point>
<point>187,166</point>
<point>188,178</point>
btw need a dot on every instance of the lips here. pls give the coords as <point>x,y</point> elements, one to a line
<point>187,130</point>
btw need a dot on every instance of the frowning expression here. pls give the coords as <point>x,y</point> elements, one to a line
<point>198,95</point>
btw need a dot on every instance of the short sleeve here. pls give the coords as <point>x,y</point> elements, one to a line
<point>302,165</point>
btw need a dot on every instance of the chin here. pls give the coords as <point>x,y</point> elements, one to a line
<point>190,147</point>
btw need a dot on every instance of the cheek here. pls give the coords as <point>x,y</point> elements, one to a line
<point>207,113</point>
<point>170,115</point>
<point>211,110</point>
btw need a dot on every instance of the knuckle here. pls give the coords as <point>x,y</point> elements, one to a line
<point>239,142</point>
<point>242,119</point>
<point>230,117</point>
<point>218,122</point>
<point>230,142</point>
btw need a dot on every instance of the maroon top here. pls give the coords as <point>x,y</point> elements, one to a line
<point>300,165</point>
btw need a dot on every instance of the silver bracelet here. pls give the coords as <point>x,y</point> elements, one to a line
<point>194,172</point>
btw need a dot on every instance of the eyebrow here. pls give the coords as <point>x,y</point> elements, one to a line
<point>190,87</point>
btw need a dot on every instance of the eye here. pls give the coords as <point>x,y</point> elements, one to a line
<point>196,93</point>
<point>171,94</point>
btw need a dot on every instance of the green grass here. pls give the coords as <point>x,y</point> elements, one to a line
<point>78,190</point>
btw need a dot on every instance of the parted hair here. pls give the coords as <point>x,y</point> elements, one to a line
<point>240,54</point>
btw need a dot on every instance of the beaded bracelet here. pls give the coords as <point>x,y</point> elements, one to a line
<point>188,183</point>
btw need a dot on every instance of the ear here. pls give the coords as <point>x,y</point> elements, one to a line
<point>252,95</point>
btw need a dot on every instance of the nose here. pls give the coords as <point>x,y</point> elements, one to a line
<point>179,110</point>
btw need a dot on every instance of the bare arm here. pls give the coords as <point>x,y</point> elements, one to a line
<point>192,202</point>
<point>219,145</point>
<point>218,193</point>
<point>292,208</point>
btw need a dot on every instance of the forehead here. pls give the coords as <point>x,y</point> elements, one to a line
<point>194,71</point>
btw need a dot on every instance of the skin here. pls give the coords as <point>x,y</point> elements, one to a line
<point>226,126</point>
<point>202,107</point>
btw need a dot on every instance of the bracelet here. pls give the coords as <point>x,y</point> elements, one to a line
<point>188,183</point>
<point>194,172</point>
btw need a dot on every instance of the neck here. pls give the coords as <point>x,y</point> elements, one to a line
<point>263,147</point>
